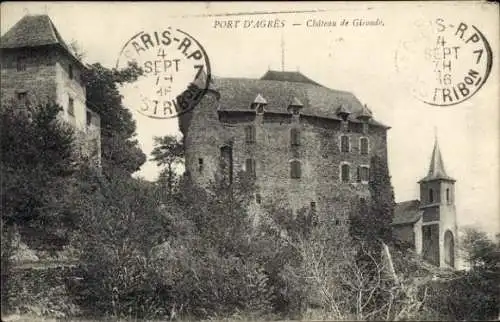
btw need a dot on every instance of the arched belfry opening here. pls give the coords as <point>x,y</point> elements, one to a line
<point>449,249</point>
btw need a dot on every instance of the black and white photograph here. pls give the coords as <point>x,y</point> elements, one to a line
<point>250,161</point>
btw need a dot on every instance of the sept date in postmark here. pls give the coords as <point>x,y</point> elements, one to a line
<point>445,63</point>
<point>176,72</point>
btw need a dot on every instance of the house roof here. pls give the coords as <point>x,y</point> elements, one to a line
<point>279,89</point>
<point>407,212</point>
<point>34,31</point>
<point>295,77</point>
<point>436,167</point>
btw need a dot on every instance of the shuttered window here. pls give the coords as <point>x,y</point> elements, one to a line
<point>344,143</point>
<point>363,142</point>
<point>363,174</point>
<point>295,171</point>
<point>344,172</point>
<point>295,137</point>
<point>250,167</point>
<point>21,64</point>
<point>250,134</point>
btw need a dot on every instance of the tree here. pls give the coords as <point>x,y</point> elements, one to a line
<point>382,199</point>
<point>37,165</point>
<point>121,154</point>
<point>372,220</point>
<point>168,151</point>
<point>481,252</point>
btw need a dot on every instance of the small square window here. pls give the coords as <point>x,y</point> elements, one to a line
<point>22,97</point>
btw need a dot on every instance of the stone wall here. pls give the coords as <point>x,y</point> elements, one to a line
<point>38,80</point>
<point>71,87</point>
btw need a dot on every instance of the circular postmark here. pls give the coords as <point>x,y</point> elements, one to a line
<point>444,63</point>
<point>176,72</point>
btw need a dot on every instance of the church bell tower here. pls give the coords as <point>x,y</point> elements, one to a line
<point>437,200</point>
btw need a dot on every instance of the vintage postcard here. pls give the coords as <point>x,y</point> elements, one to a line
<point>250,161</point>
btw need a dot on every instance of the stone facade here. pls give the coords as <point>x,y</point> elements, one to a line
<point>296,157</point>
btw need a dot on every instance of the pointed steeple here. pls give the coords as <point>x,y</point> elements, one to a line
<point>436,167</point>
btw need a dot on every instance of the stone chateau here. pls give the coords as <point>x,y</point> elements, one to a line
<point>309,147</point>
<point>305,144</point>
<point>38,67</point>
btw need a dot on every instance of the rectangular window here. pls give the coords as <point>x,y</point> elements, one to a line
<point>258,198</point>
<point>365,128</point>
<point>21,64</point>
<point>345,173</point>
<point>200,165</point>
<point>313,206</point>
<point>363,142</point>
<point>22,98</point>
<point>70,71</point>
<point>344,143</point>
<point>71,107</point>
<point>89,118</point>
<point>295,137</point>
<point>363,174</point>
<point>250,134</point>
<point>226,163</point>
<point>295,171</point>
<point>250,167</point>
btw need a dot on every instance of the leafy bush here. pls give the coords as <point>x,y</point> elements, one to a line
<point>120,224</point>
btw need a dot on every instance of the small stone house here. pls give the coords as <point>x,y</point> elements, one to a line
<point>38,67</point>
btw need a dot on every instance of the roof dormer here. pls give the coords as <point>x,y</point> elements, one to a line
<point>343,111</point>
<point>258,104</point>
<point>295,106</point>
<point>365,114</point>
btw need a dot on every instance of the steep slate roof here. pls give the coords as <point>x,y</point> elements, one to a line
<point>34,31</point>
<point>436,167</point>
<point>280,88</point>
<point>287,77</point>
<point>407,212</point>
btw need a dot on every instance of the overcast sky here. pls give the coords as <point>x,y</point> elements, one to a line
<point>362,60</point>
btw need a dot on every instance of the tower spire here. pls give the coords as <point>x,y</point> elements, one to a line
<point>436,166</point>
